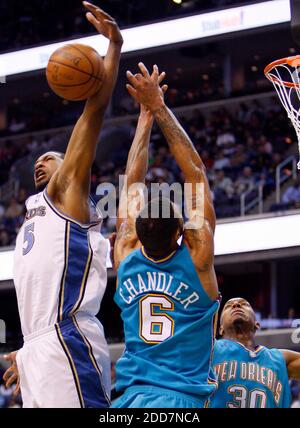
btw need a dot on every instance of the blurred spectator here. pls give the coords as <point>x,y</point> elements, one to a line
<point>14,209</point>
<point>291,314</point>
<point>223,183</point>
<point>22,196</point>
<point>2,211</point>
<point>292,194</point>
<point>236,147</point>
<point>16,125</point>
<point>246,181</point>
<point>221,161</point>
<point>296,403</point>
<point>4,238</point>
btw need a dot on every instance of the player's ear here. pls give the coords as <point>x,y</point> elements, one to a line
<point>221,330</point>
<point>257,326</point>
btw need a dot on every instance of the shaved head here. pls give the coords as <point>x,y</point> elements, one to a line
<point>238,315</point>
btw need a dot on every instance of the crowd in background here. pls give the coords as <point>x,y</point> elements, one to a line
<point>240,150</point>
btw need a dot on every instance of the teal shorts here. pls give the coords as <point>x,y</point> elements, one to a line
<point>152,397</point>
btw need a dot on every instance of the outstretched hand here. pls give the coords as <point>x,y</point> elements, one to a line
<point>145,88</point>
<point>107,26</point>
<point>11,375</point>
<point>103,22</point>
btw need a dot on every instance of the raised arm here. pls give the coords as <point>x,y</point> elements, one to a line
<point>147,90</point>
<point>199,231</point>
<point>71,183</point>
<point>136,170</point>
<point>132,196</point>
<point>292,360</point>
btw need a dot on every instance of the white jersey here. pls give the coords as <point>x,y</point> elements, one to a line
<point>59,265</point>
<point>60,278</point>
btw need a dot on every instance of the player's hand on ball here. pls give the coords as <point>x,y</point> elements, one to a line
<point>11,375</point>
<point>104,23</point>
<point>145,88</point>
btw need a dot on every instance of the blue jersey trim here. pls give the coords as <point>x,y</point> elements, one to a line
<point>65,216</point>
<point>86,373</point>
<point>78,258</point>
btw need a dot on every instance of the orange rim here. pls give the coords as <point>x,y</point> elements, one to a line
<point>292,61</point>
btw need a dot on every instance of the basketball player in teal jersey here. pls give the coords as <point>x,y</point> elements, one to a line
<point>167,292</point>
<point>250,375</point>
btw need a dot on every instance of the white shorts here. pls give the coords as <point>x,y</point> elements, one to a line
<point>66,366</point>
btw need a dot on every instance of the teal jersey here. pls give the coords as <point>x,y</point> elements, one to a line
<point>169,325</point>
<point>249,379</point>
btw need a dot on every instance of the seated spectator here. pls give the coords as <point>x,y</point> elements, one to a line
<point>2,211</point>
<point>5,240</point>
<point>223,183</point>
<point>16,125</point>
<point>221,161</point>
<point>22,196</point>
<point>239,157</point>
<point>246,181</point>
<point>292,194</point>
<point>14,209</point>
<point>296,403</point>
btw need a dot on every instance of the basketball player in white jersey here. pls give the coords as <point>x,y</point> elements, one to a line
<point>60,263</point>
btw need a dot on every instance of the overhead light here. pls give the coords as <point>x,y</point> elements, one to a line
<point>177,1</point>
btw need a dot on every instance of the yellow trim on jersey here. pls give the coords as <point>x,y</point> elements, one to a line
<point>62,290</point>
<point>76,379</point>
<point>157,260</point>
<point>214,328</point>
<point>258,349</point>
<point>216,317</point>
<point>206,404</point>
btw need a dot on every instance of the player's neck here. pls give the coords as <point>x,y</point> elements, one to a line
<point>247,339</point>
<point>156,256</point>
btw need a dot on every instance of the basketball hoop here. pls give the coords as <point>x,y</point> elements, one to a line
<point>284,74</point>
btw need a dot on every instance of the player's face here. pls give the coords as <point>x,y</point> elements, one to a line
<point>44,168</point>
<point>238,311</point>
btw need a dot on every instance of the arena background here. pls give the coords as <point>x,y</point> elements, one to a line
<point>218,90</point>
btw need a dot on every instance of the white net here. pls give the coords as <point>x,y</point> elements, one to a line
<point>286,81</point>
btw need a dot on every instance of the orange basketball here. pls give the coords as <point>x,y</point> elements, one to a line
<point>75,72</point>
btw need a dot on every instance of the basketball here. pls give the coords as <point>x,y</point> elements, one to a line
<point>75,72</point>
